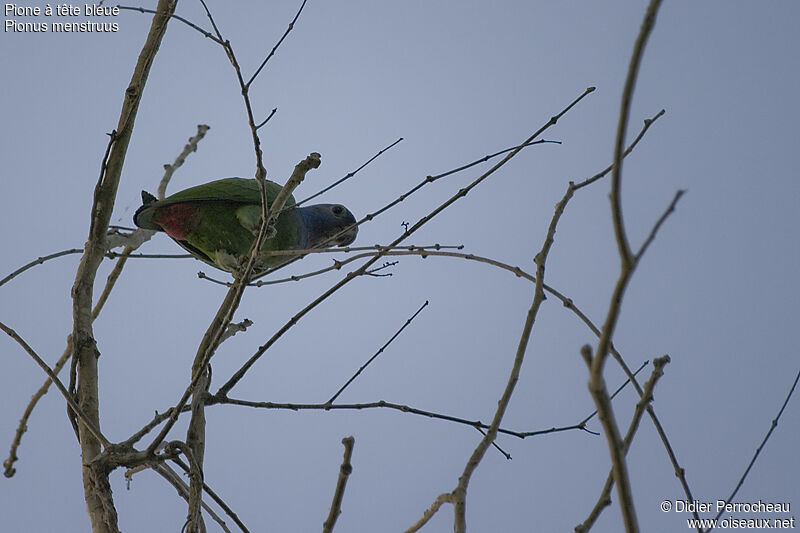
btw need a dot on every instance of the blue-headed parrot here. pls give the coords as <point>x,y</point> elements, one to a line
<point>217,222</point>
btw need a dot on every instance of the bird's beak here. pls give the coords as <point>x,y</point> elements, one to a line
<point>347,237</point>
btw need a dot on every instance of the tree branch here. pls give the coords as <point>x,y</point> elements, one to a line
<point>772,427</point>
<point>338,495</point>
<point>597,385</point>
<point>85,419</point>
<point>97,490</point>
<point>365,365</point>
<point>605,494</point>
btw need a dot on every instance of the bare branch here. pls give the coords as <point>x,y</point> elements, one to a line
<point>597,385</point>
<point>490,156</point>
<point>178,18</point>
<point>88,422</point>
<point>349,174</point>
<point>214,496</point>
<point>381,404</point>
<point>628,263</point>
<point>188,148</point>
<point>22,427</point>
<point>97,490</point>
<point>622,127</point>
<point>670,209</point>
<point>477,424</point>
<point>275,48</point>
<point>498,448</point>
<point>236,327</point>
<point>271,114</point>
<point>195,481</point>
<point>338,495</point>
<point>605,494</point>
<point>430,511</point>
<point>157,419</point>
<point>111,281</point>
<point>300,171</point>
<point>38,261</point>
<point>365,365</point>
<point>175,480</point>
<point>647,123</point>
<point>772,427</point>
<point>337,264</point>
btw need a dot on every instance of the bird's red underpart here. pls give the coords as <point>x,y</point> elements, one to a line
<point>174,218</point>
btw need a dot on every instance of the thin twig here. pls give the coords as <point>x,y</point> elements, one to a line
<point>88,422</point>
<point>175,480</point>
<point>39,261</point>
<point>619,389</point>
<point>111,281</point>
<point>275,48</point>
<point>647,123</point>
<point>337,264</point>
<point>430,511</point>
<point>160,417</point>
<point>380,351</point>
<point>189,148</point>
<point>214,496</point>
<point>178,18</point>
<point>193,519</point>
<point>381,404</point>
<point>349,174</point>
<point>114,255</point>
<point>605,494</point>
<point>495,445</point>
<point>654,230</point>
<point>488,157</point>
<point>22,427</point>
<point>622,127</point>
<point>338,494</point>
<point>271,114</point>
<point>147,428</point>
<point>772,427</point>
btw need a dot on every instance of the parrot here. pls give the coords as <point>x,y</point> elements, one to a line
<point>218,221</point>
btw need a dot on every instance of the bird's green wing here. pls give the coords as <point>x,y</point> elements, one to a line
<point>239,190</point>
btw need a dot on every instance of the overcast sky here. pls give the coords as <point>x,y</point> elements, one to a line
<point>717,290</point>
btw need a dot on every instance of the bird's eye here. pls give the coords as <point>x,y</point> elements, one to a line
<point>338,210</point>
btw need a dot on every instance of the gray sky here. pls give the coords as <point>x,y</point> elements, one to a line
<point>717,291</point>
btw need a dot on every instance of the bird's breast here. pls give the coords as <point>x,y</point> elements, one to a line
<point>174,219</point>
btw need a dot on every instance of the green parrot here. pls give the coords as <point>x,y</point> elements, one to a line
<point>217,222</point>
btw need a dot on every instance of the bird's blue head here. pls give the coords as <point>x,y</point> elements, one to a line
<point>329,225</point>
